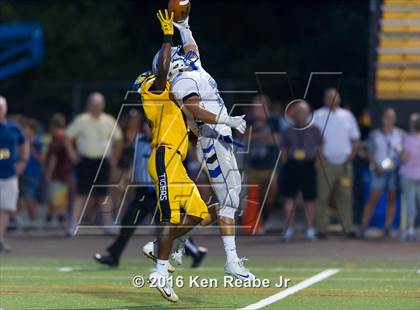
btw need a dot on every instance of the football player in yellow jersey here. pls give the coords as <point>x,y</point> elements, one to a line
<point>175,190</point>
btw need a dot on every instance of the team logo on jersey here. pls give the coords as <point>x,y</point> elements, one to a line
<point>163,188</point>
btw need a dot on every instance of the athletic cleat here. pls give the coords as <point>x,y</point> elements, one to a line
<point>237,269</point>
<point>198,258</point>
<point>149,252</point>
<point>163,285</point>
<point>107,260</point>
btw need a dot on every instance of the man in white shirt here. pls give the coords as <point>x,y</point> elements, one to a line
<point>340,137</point>
<point>87,139</point>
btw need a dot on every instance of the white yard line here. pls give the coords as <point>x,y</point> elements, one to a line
<point>291,290</point>
<point>204,269</point>
<point>106,276</point>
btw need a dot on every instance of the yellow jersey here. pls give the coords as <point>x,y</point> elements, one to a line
<point>166,119</point>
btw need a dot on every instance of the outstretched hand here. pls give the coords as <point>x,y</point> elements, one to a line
<point>166,22</point>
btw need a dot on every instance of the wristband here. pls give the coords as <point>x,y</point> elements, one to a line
<point>167,38</point>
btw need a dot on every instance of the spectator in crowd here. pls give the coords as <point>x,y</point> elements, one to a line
<point>280,123</point>
<point>121,175</point>
<point>14,153</point>
<point>340,138</point>
<point>277,113</point>
<point>410,179</point>
<point>30,180</point>
<point>87,140</point>
<point>264,135</point>
<point>58,172</point>
<point>384,148</point>
<point>361,167</point>
<point>130,126</point>
<point>300,147</point>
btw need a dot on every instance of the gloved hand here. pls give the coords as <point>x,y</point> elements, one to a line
<point>166,22</point>
<point>182,24</point>
<point>236,122</point>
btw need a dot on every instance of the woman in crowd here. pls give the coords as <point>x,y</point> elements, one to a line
<point>385,146</point>
<point>58,172</point>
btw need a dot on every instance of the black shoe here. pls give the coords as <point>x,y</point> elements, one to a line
<point>106,260</point>
<point>197,259</point>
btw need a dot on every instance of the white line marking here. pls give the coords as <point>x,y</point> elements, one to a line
<point>66,269</point>
<point>208,269</point>
<point>106,275</point>
<point>291,290</point>
<point>317,73</point>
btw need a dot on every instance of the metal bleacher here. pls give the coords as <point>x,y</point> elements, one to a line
<point>397,75</point>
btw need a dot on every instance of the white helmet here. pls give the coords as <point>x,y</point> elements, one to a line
<point>179,63</point>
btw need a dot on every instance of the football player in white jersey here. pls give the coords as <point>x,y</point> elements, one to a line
<point>195,90</point>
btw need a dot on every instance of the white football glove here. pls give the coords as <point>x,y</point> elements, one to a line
<point>236,122</point>
<point>182,24</point>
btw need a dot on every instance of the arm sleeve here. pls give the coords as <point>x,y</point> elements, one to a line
<point>354,129</point>
<point>317,120</point>
<point>184,88</point>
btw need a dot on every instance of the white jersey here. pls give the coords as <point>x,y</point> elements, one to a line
<point>200,83</point>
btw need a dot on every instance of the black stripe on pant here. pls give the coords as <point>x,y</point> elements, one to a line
<point>163,194</point>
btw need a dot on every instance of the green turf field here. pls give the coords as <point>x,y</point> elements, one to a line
<point>45,284</point>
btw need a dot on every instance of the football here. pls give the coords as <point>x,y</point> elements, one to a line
<point>181,9</point>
